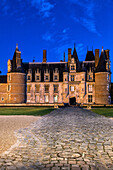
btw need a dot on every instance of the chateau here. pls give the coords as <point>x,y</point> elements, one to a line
<point>49,83</point>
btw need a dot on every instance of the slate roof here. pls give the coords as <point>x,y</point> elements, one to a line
<point>90,56</point>
<point>61,66</point>
<point>3,78</point>
<point>75,56</point>
<point>102,63</point>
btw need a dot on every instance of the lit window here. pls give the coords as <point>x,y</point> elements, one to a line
<point>89,98</point>
<point>37,88</point>
<point>90,88</point>
<point>46,78</point>
<point>72,88</point>
<point>55,88</point>
<point>72,67</point>
<point>28,77</point>
<point>46,98</point>
<point>72,77</point>
<point>37,78</point>
<point>46,88</point>
<point>55,98</point>
<point>28,88</point>
<point>2,98</point>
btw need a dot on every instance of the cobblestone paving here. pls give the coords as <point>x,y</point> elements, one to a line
<point>66,139</point>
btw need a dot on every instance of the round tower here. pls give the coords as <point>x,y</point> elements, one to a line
<point>16,87</point>
<point>102,88</point>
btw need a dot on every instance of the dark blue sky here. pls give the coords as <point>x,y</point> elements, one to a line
<point>54,25</point>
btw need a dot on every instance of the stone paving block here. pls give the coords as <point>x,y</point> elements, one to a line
<point>65,138</point>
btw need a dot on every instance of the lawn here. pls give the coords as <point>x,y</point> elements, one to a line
<point>35,111</point>
<point>108,112</point>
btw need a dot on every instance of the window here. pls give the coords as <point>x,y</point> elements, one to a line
<point>28,88</point>
<point>9,77</point>
<point>9,87</point>
<point>37,77</point>
<point>65,90</point>
<point>46,98</point>
<point>89,98</point>
<point>72,88</point>
<point>55,98</point>
<point>46,88</point>
<point>37,88</point>
<point>108,87</point>
<point>55,77</point>
<point>29,77</point>
<point>2,98</point>
<point>73,67</point>
<point>55,88</point>
<point>46,78</point>
<point>108,76</point>
<point>72,77</point>
<point>90,78</point>
<point>90,88</point>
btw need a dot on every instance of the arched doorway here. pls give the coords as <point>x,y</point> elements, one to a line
<point>72,101</point>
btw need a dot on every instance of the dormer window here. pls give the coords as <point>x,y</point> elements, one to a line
<point>28,77</point>
<point>90,77</point>
<point>46,78</point>
<point>55,77</point>
<point>37,77</point>
<point>72,67</point>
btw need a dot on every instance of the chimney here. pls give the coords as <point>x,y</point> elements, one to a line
<point>69,55</point>
<point>107,54</point>
<point>96,57</point>
<point>44,56</point>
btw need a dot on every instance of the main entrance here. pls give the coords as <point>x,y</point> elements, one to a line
<point>72,101</point>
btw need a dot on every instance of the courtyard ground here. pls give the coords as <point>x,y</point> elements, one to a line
<point>68,138</point>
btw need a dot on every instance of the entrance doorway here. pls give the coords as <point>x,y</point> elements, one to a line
<point>73,101</point>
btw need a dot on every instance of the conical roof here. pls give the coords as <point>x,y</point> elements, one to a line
<point>102,63</point>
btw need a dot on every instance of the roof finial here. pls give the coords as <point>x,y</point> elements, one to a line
<point>74,45</point>
<point>64,56</point>
<point>16,45</point>
<point>102,49</point>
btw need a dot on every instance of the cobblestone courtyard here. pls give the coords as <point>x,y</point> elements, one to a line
<point>66,139</point>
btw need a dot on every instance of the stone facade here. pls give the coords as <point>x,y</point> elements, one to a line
<point>71,82</point>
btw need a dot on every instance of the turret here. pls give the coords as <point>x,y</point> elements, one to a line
<point>16,80</point>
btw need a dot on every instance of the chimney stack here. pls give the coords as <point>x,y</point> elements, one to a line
<point>107,54</point>
<point>96,57</point>
<point>44,56</point>
<point>64,57</point>
<point>69,55</point>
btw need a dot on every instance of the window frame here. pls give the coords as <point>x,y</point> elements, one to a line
<point>90,98</point>
<point>90,88</point>
<point>72,78</point>
<point>46,88</point>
